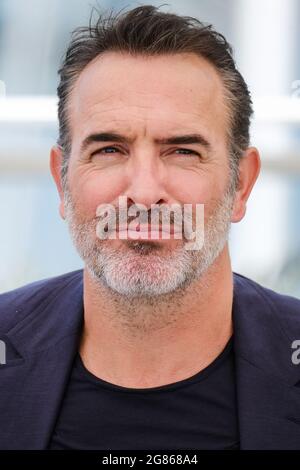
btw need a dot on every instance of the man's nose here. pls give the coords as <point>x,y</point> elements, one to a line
<point>147,185</point>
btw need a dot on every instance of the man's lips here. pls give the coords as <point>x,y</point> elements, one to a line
<point>148,228</point>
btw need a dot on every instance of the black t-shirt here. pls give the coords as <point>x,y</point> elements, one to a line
<point>196,413</point>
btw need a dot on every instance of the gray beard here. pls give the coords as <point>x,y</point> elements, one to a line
<point>145,269</point>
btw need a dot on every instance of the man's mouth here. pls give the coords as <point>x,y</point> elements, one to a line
<point>149,229</point>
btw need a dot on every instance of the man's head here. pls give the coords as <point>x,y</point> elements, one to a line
<point>151,107</point>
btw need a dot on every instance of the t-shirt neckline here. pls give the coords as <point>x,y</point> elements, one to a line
<point>199,376</point>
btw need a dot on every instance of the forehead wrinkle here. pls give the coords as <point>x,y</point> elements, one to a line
<point>163,105</point>
<point>132,131</point>
<point>132,113</point>
<point>128,94</point>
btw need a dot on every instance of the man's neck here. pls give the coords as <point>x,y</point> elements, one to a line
<point>142,344</point>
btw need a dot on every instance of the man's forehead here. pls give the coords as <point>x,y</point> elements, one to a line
<point>120,76</point>
<point>170,89</point>
<point>157,126</point>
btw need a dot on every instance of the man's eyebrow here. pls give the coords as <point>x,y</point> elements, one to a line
<point>103,137</point>
<point>185,139</point>
<point>174,140</point>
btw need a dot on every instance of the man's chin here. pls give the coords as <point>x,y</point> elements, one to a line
<point>145,276</point>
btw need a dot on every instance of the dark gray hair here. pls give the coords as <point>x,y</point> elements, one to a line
<point>147,31</point>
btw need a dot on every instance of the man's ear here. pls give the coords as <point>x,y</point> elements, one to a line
<point>56,157</point>
<point>249,168</point>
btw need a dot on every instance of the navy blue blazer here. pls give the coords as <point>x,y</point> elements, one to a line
<point>41,324</point>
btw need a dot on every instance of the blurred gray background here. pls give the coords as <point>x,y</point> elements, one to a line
<point>265,35</point>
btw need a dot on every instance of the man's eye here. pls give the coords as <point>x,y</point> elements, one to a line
<point>111,149</point>
<point>187,152</point>
<point>105,150</point>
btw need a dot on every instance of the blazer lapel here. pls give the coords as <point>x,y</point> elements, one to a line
<point>268,390</point>
<point>268,409</point>
<point>41,353</point>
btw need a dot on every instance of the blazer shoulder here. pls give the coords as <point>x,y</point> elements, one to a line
<point>16,304</point>
<point>285,308</point>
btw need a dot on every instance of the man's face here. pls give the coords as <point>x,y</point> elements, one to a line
<point>147,101</point>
